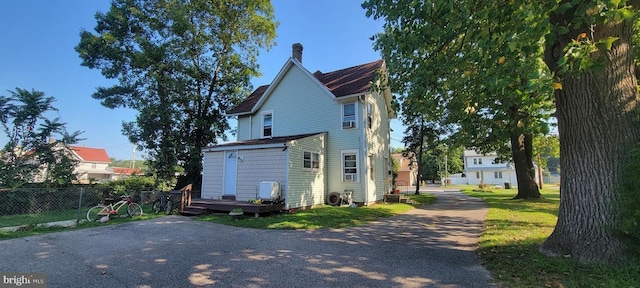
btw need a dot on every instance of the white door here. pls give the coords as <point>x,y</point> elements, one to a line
<point>230,169</point>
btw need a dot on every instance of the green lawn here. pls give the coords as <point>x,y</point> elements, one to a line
<point>322,217</point>
<point>45,217</point>
<point>31,219</point>
<point>514,231</point>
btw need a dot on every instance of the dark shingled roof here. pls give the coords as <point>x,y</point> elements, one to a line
<point>262,141</point>
<point>343,82</point>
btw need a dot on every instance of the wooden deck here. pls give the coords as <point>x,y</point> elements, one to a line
<point>205,206</point>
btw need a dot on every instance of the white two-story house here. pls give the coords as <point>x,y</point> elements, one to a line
<point>481,168</point>
<point>312,133</point>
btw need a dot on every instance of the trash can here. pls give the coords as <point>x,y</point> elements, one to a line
<point>507,185</point>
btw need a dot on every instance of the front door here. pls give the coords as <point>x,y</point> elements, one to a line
<point>230,170</point>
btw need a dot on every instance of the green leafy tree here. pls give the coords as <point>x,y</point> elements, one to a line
<point>588,51</point>
<point>461,67</point>
<point>31,154</point>
<point>181,65</point>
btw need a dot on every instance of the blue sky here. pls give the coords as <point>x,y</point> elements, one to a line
<point>37,52</point>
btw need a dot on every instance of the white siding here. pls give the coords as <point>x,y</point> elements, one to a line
<point>307,187</point>
<point>300,106</point>
<point>244,127</point>
<point>260,165</point>
<point>378,149</point>
<point>212,175</point>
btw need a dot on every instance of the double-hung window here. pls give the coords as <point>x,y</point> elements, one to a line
<point>310,160</point>
<point>267,124</point>
<point>498,174</point>
<point>349,115</point>
<point>349,166</point>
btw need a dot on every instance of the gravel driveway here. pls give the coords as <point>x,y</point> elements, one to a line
<point>428,247</point>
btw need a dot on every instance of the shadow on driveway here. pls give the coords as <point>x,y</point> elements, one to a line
<point>432,246</point>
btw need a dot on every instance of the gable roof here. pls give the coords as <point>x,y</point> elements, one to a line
<point>344,82</point>
<point>91,154</point>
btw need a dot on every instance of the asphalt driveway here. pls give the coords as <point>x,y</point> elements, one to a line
<point>428,247</point>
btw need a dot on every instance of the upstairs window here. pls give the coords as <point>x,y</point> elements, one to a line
<point>349,115</point>
<point>267,124</point>
<point>370,115</point>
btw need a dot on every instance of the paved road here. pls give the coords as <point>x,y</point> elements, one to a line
<point>428,247</point>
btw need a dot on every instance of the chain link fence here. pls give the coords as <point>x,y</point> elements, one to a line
<point>32,206</point>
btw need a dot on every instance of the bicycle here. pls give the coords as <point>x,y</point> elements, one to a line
<point>163,203</point>
<point>101,210</point>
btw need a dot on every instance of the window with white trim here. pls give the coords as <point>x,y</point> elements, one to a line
<point>349,115</point>
<point>310,160</point>
<point>349,166</point>
<point>370,115</point>
<point>498,174</point>
<point>475,161</point>
<point>267,124</point>
<point>478,175</point>
<point>371,168</point>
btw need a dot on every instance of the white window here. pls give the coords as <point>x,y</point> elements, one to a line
<point>267,124</point>
<point>475,161</point>
<point>370,115</point>
<point>480,161</point>
<point>349,115</point>
<point>371,168</point>
<point>311,160</point>
<point>498,174</point>
<point>478,175</point>
<point>350,166</point>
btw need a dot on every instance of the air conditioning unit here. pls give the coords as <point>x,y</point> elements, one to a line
<point>348,124</point>
<point>350,177</point>
<point>269,191</point>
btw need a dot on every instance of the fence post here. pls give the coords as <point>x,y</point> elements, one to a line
<point>79,214</point>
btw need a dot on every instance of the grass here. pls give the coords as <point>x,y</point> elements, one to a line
<point>31,219</point>
<point>514,231</point>
<point>45,217</point>
<point>322,217</point>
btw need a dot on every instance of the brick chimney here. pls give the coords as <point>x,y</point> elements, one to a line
<point>297,52</point>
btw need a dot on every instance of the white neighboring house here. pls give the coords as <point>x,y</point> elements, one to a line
<point>312,133</point>
<point>480,168</point>
<point>93,164</point>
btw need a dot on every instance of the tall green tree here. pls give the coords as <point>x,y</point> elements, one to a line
<point>31,154</point>
<point>588,50</point>
<point>458,62</point>
<point>181,65</point>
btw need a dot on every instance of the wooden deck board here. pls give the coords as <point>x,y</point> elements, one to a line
<point>228,205</point>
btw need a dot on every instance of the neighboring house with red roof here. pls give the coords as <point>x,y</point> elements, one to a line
<point>312,134</point>
<point>123,173</point>
<point>93,164</point>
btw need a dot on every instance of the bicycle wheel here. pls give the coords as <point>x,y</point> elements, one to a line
<point>168,208</point>
<point>97,212</point>
<point>133,209</point>
<point>157,206</point>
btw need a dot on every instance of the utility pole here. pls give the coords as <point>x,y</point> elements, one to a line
<point>446,166</point>
<point>133,157</point>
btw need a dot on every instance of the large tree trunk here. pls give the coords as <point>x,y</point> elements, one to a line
<point>597,115</point>
<point>521,148</point>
